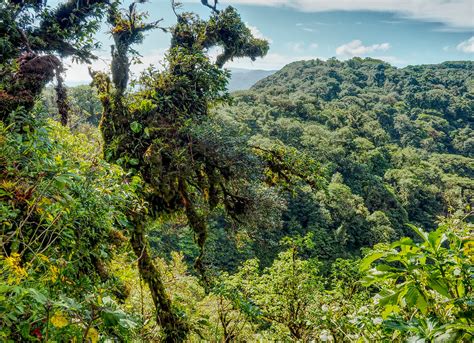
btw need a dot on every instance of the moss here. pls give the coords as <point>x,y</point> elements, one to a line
<point>183,173</point>
<point>34,72</point>
<point>174,328</point>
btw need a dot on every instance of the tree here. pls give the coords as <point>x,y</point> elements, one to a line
<point>155,132</point>
<point>285,294</point>
<point>33,38</point>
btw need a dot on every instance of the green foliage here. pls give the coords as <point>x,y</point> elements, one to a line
<point>324,157</point>
<point>390,143</point>
<point>426,287</point>
<point>155,132</point>
<point>61,214</point>
<point>32,37</point>
<point>85,107</point>
<point>291,300</point>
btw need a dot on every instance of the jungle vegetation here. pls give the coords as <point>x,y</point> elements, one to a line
<point>330,202</point>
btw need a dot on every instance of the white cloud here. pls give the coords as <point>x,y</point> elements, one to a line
<point>467,46</point>
<point>257,34</point>
<point>356,48</point>
<point>456,14</point>
<point>314,46</point>
<point>297,47</point>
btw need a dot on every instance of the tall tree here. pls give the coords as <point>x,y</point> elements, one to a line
<point>156,132</point>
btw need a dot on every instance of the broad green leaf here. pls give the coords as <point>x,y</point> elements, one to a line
<point>419,232</point>
<point>39,297</point>
<point>403,241</point>
<point>387,268</point>
<point>439,285</point>
<point>396,325</point>
<point>421,303</point>
<point>389,309</point>
<point>391,299</point>
<point>411,295</point>
<point>369,259</point>
<point>436,238</point>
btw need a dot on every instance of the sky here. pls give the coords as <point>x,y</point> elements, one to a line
<point>401,32</point>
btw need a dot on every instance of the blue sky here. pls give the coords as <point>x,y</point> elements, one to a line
<point>401,32</point>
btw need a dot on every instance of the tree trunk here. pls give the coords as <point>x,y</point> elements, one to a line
<point>61,99</point>
<point>174,328</point>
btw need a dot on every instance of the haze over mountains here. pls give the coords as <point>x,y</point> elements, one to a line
<point>242,79</point>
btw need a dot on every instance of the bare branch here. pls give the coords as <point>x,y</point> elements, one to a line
<point>212,7</point>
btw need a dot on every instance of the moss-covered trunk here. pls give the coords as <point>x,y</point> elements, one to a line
<point>23,87</point>
<point>174,328</point>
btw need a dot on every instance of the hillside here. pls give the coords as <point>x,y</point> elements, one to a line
<point>396,145</point>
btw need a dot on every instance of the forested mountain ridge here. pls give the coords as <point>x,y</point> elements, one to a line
<point>438,99</point>
<point>396,145</point>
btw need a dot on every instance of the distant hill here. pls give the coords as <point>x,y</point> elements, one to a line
<point>243,79</point>
<point>395,145</point>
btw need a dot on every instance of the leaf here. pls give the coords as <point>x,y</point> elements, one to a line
<point>136,127</point>
<point>367,261</point>
<point>420,232</point>
<point>39,297</point>
<point>389,309</point>
<point>93,335</point>
<point>396,325</point>
<point>411,296</point>
<point>391,298</point>
<point>460,327</point>
<point>421,303</point>
<point>147,132</point>
<point>447,337</point>
<point>134,161</point>
<point>439,286</point>
<point>387,268</point>
<point>127,323</point>
<point>403,241</point>
<point>436,238</point>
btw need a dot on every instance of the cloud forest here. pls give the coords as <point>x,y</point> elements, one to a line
<point>329,202</point>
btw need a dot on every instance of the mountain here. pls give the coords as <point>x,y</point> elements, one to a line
<point>243,79</point>
<point>394,146</point>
